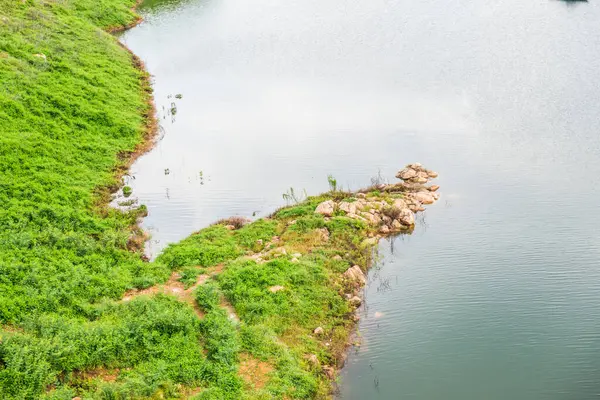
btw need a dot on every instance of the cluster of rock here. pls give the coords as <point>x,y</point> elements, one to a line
<point>415,173</point>
<point>392,213</point>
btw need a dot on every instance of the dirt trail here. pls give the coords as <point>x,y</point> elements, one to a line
<point>175,288</point>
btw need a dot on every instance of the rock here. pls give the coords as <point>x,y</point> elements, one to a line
<point>396,225</point>
<point>386,220</point>
<point>276,288</point>
<point>361,204</point>
<point>432,174</point>
<point>230,227</point>
<point>323,233</point>
<point>354,273</point>
<point>296,255</point>
<point>329,372</point>
<point>360,195</point>
<point>259,242</point>
<point>436,196</point>
<point>326,208</point>
<point>384,229</point>
<point>400,204</point>
<point>312,359</point>
<point>40,55</point>
<point>434,188</point>
<point>406,174</point>
<point>349,208</point>
<point>373,219</point>
<point>406,217</point>
<point>294,260</point>
<point>423,197</point>
<point>319,331</point>
<point>415,206</point>
<point>355,301</point>
<point>356,317</point>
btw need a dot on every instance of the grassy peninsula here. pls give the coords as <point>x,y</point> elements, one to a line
<point>238,310</point>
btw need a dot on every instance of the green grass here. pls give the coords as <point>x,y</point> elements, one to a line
<point>73,108</point>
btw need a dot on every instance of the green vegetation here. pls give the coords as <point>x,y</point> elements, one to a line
<point>74,110</point>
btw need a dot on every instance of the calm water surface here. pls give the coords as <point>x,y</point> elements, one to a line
<point>497,294</point>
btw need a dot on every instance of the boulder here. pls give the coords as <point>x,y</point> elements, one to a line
<point>355,301</point>
<point>329,372</point>
<point>349,208</point>
<point>319,331</point>
<point>407,217</point>
<point>323,233</point>
<point>355,274</point>
<point>423,197</point>
<point>434,188</point>
<point>312,359</point>
<point>396,225</point>
<point>406,174</point>
<point>326,208</point>
<point>400,203</point>
<point>384,229</point>
<point>373,219</point>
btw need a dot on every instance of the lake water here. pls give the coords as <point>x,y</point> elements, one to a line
<point>497,293</point>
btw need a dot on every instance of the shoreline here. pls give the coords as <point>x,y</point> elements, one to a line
<point>412,183</point>
<point>332,235</point>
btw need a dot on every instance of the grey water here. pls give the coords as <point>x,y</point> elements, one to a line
<point>497,293</point>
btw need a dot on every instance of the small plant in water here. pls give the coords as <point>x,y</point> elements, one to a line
<point>178,96</point>
<point>127,190</point>
<point>292,197</point>
<point>332,183</point>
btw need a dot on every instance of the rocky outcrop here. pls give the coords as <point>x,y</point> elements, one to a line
<point>393,210</point>
<point>416,173</point>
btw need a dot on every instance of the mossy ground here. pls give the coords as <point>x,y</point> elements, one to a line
<point>74,108</point>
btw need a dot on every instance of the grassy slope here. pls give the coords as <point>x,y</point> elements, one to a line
<point>68,122</point>
<point>64,121</point>
<point>275,329</point>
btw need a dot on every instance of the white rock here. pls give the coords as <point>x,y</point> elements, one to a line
<point>319,331</point>
<point>406,174</point>
<point>349,208</point>
<point>276,288</point>
<point>326,208</point>
<point>400,203</point>
<point>423,197</point>
<point>406,217</point>
<point>354,273</point>
<point>323,233</point>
